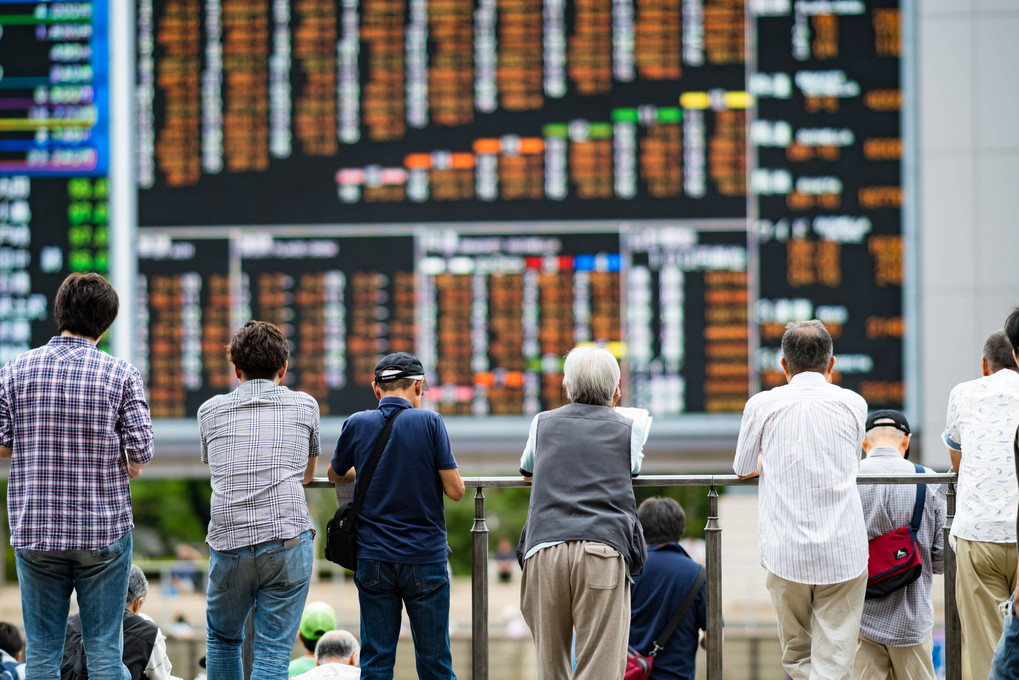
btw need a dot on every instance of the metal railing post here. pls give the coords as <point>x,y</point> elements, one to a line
<point>713,553</point>
<point>479,589</point>
<point>953,629</point>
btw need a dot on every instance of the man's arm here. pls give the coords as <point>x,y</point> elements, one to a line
<point>349,476</point>
<point>159,666</point>
<point>6,452</point>
<point>309,471</point>
<point>748,445</point>
<point>135,427</point>
<point>956,457</point>
<point>452,483</point>
<point>134,470</point>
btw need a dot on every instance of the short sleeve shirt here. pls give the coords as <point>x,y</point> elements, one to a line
<point>257,441</point>
<point>982,418</point>
<point>73,416</point>
<point>402,518</point>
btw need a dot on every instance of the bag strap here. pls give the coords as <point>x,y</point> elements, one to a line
<point>365,478</point>
<point>921,497</point>
<point>663,637</point>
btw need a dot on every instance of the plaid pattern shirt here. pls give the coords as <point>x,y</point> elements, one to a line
<point>257,441</point>
<point>73,415</point>
<point>905,617</point>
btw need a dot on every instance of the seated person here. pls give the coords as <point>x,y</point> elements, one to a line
<point>317,620</point>
<point>658,592</point>
<point>144,644</point>
<point>11,646</point>
<point>336,655</point>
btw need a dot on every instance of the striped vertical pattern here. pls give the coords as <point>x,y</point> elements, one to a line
<point>257,441</point>
<point>808,435</point>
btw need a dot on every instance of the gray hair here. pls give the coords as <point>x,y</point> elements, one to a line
<point>998,352</point>
<point>137,585</point>
<point>590,375</point>
<point>878,435</point>
<point>806,346</point>
<point>336,645</point>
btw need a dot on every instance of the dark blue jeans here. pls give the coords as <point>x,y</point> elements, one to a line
<point>47,578</point>
<point>383,589</point>
<point>1005,664</point>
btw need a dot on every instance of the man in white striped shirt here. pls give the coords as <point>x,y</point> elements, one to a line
<point>804,440</point>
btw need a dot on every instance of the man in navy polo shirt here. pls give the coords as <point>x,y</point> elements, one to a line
<point>401,528</point>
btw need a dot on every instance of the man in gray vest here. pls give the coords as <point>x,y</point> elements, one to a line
<point>582,538</point>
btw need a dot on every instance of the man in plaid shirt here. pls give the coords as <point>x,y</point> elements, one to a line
<point>75,424</point>
<point>895,632</point>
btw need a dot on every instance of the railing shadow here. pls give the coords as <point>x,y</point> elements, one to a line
<point>713,555</point>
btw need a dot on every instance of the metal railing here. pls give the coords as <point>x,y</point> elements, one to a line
<point>713,558</point>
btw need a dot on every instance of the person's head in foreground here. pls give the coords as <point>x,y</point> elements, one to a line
<point>591,376</point>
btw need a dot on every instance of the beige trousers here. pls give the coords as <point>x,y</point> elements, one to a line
<point>818,626</point>
<point>984,578</point>
<point>875,661</point>
<point>578,585</point>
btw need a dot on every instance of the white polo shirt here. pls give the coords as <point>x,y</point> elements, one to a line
<point>809,435</point>
<point>982,418</point>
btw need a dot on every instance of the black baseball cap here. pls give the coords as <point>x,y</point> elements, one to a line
<point>888,418</point>
<point>399,365</point>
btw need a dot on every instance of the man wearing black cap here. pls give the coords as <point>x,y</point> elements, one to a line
<point>401,528</point>
<point>895,630</point>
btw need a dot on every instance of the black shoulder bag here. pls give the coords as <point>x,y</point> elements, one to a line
<point>341,541</point>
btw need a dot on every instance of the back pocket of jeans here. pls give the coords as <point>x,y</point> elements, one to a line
<point>603,566</point>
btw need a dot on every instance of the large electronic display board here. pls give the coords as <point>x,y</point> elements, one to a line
<point>54,158</point>
<point>487,183</point>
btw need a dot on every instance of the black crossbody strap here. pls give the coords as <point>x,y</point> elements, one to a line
<point>365,478</point>
<point>921,498</point>
<point>659,643</point>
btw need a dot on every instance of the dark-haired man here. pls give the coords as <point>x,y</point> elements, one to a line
<point>982,419</point>
<point>11,644</point>
<point>75,424</point>
<point>261,442</point>
<point>804,440</point>
<point>662,587</point>
<point>401,529</point>
<point>895,631</point>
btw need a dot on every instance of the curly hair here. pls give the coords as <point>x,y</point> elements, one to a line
<point>259,349</point>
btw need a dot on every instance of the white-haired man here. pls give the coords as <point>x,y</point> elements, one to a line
<point>582,538</point>
<point>336,655</point>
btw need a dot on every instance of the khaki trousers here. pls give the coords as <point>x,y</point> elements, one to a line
<point>818,626</point>
<point>875,661</point>
<point>578,585</point>
<point>984,578</point>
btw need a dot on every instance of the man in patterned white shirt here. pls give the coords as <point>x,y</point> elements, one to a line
<point>895,632</point>
<point>804,441</point>
<point>982,419</point>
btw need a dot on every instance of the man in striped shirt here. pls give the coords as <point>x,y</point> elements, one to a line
<point>804,440</point>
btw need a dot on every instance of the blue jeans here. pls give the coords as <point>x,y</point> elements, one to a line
<point>46,578</point>
<point>383,588</point>
<point>1005,664</point>
<point>272,577</point>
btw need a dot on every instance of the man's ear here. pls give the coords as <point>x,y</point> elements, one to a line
<point>376,390</point>
<point>985,370</point>
<point>238,373</point>
<point>283,372</point>
<point>785,369</point>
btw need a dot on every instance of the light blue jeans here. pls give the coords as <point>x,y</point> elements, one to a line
<point>1005,664</point>
<point>383,588</point>
<point>273,578</point>
<point>46,579</point>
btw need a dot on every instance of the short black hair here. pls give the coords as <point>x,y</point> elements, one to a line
<point>806,346</point>
<point>662,519</point>
<point>998,352</point>
<point>10,639</point>
<point>259,349</point>
<point>86,305</point>
<point>1012,329</point>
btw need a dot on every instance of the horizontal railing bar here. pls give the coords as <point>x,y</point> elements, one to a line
<point>686,480</point>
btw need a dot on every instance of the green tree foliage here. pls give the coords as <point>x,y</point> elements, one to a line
<point>506,510</point>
